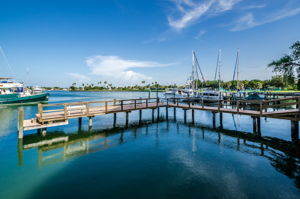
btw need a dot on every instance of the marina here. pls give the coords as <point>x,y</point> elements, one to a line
<point>174,99</point>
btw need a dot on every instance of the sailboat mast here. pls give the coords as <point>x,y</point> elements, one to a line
<point>219,67</point>
<point>237,69</point>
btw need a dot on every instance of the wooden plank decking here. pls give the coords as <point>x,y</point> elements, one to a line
<point>58,114</point>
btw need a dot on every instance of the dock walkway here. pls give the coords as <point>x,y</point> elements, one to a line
<point>50,115</point>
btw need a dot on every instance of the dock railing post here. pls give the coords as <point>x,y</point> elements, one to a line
<point>115,102</point>
<point>121,105</point>
<point>105,106</point>
<point>157,100</point>
<point>135,104</point>
<point>298,104</point>
<point>87,105</point>
<point>167,102</point>
<point>146,103</point>
<point>40,110</point>
<point>237,106</point>
<point>260,107</point>
<point>65,111</point>
<point>20,123</point>
<point>202,102</point>
<point>219,105</point>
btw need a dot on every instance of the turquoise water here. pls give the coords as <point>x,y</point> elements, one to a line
<point>165,159</point>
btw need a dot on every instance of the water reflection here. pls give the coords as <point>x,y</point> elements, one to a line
<point>59,146</point>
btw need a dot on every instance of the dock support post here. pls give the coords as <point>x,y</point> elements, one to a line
<point>295,130</point>
<point>79,122</point>
<point>115,119</point>
<point>214,119</point>
<point>127,115</point>
<point>193,116</point>
<point>153,115</point>
<point>157,113</point>
<point>184,110</point>
<point>167,113</point>
<point>221,120</point>
<point>174,113</point>
<point>90,122</point>
<point>254,124</point>
<point>44,131</point>
<point>21,123</point>
<point>140,121</point>
<point>20,152</point>
<point>258,126</point>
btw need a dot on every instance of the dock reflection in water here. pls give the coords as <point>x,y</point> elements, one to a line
<point>59,146</point>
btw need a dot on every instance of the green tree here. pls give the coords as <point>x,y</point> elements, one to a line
<point>289,65</point>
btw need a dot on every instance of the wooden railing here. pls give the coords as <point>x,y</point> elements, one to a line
<point>62,110</point>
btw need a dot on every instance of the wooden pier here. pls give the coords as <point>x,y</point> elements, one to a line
<point>50,115</point>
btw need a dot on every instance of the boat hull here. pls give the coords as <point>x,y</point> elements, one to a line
<point>25,99</point>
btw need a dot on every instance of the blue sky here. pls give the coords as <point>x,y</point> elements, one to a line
<point>55,43</point>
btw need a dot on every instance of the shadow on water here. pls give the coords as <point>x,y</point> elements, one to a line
<point>58,146</point>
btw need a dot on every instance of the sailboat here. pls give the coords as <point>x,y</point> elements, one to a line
<point>210,95</point>
<point>190,93</point>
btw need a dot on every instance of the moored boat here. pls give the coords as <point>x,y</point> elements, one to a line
<point>13,93</point>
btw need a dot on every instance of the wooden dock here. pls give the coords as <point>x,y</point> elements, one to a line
<point>50,115</point>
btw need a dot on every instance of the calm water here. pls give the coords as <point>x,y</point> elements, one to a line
<point>166,159</point>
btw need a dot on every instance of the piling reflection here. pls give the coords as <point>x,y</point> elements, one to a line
<point>55,147</point>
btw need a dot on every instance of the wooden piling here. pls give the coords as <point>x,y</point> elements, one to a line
<point>167,113</point>
<point>127,118</point>
<point>44,131</point>
<point>115,119</point>
<point>221,120</point>
<point>295,130</point>
<point>140,119</point>
<point>157,113</point>
<point>79,121</point>
<point>90,121</point>
<point>258,126</point>
<point>214,119</point>
<point>21,123</point>
<point>174,111</point>
<point>184,110</point>
<point>193,116</point>
<point>153,115</point>
<point>254,124</point>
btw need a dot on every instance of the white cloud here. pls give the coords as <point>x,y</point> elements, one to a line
<point>200,34</point>
<point>248,21</point>
<point>79,77</point>
<point>118,68</point>
<point>191,11</point>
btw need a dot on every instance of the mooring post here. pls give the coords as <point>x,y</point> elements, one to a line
<point>21,123</point>
<point>127,115</point>
<point>90,122</point>
<point>184,110</point>
<point>294,130</point>
<point>174,111</point>
<point>115,119</point>
<point>214,119</point>
<point>193,116</point>
<point>221,120</point>
<point>140,121</point>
